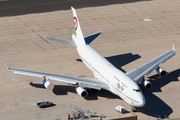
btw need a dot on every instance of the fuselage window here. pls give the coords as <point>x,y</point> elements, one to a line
<point>137,90</point>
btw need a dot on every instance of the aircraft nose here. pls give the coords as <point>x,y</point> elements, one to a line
<point>141,101</point>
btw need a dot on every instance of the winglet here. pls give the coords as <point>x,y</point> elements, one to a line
<point>173,48</point>
<point>6,66</point>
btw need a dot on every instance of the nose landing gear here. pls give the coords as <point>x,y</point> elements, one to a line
<point>133,109</point>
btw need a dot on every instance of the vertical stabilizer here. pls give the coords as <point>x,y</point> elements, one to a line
<point>79,34</point>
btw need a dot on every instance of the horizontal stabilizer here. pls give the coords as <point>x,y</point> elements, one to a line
<point>91,37</point>
<point>68,42</point>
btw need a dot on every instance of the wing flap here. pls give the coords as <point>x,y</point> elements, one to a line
<point>138,74</point>
<point>85,82</point>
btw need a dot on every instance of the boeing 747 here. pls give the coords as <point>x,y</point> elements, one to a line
<point>107,76</point>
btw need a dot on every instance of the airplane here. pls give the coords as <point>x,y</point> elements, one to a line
<point>107,76</point>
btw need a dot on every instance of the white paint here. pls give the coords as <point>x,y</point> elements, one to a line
<point>119,82</point>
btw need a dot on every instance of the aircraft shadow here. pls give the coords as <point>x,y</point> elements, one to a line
<point>154,105</point>
<point>37,85</point>
<point>64,89</point>
<point>120,60</point>
<point>58,89</point>
<point>158,83</point>
<point>94,94</point>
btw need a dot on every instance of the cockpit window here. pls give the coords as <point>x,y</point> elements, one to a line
<point>137,90</point>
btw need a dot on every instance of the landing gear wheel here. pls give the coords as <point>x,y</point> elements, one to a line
<point>133,109</point>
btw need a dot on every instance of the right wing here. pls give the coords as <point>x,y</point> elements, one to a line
<point>85,82</point>
<point>138,74</point>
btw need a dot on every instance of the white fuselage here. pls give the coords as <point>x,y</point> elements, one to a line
<point>118,81</point>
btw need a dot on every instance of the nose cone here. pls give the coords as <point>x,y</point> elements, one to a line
<point>141,102</point>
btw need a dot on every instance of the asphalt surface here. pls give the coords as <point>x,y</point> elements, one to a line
<point>20,7</point>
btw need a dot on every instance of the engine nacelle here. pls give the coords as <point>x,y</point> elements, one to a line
<point>147,84</point>
<point>161,71</point>
<point>81,91</point>
<point>47,84</point>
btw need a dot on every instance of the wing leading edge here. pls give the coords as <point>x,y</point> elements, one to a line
<point>85,82</point>
<point>138,74</point>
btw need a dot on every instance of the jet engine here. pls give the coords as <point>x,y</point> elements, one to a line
<point>81,91</point>
<point>161,71</point>
<point>147,84</point>
<point>47,84</point>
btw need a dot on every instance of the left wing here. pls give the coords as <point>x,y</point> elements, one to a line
<point>138,74</point>
<point>85,82</point>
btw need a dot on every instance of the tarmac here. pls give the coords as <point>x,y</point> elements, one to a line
<point>127,40</point>
<point>19,7</point>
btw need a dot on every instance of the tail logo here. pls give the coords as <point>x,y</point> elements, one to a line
<point>75,23</point>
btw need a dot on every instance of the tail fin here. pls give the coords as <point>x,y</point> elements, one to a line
<point>79,34</point>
